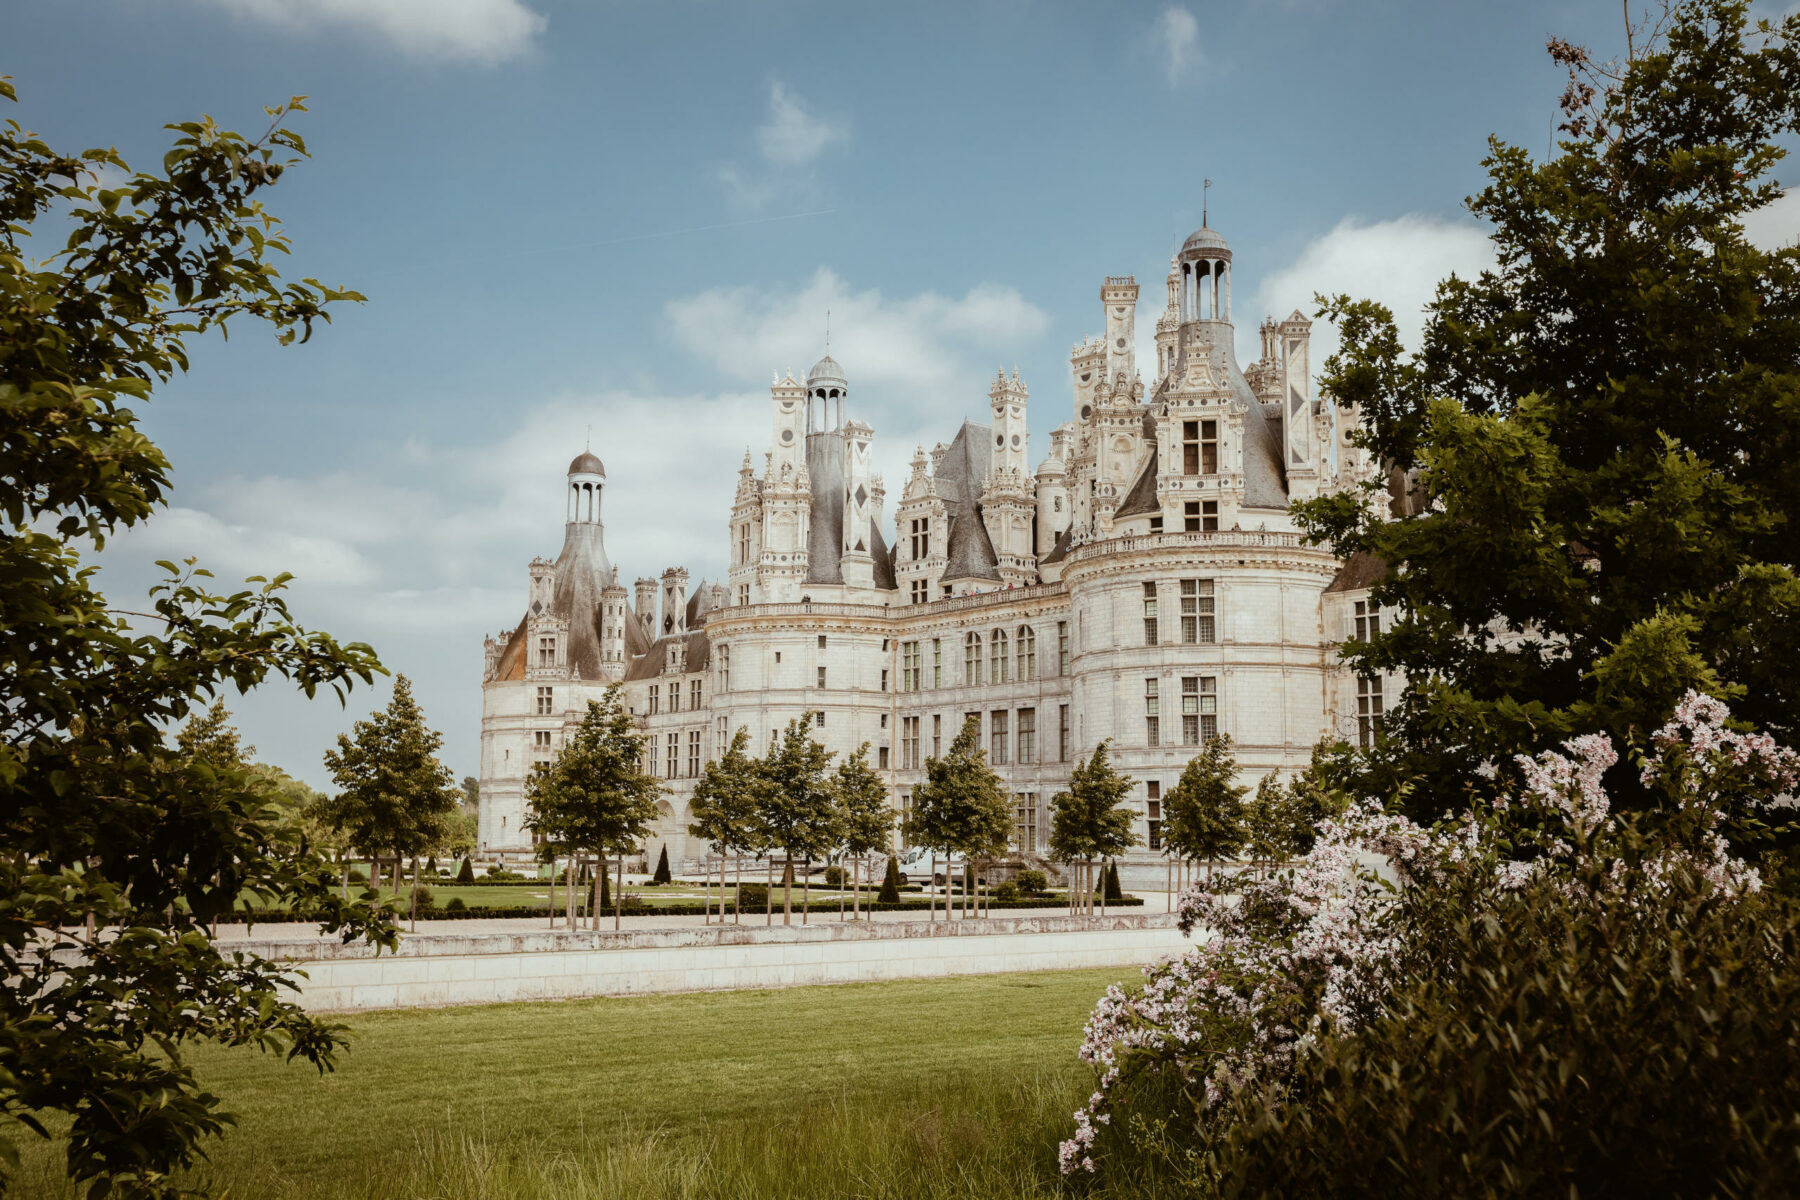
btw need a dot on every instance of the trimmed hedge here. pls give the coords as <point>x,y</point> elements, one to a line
<point>515,912</point>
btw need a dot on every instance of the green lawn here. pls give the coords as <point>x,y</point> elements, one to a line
<point>908,1089</point>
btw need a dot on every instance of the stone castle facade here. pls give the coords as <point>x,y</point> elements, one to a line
<point>1143,583</point>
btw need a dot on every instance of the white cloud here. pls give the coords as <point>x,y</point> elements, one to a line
<point>1398,262</point>
<point>1176,38</point>
<point>481,31</point>
<point>1777,225</point>
<point>793,136</point>
<point>788,143</point>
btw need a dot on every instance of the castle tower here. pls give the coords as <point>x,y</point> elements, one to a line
<point>674,601</point>
<point>1008,493</point>
<point>645,590</point>
<point>862,506</point>
<point>786,495</point>
<point>587,479</point>
<point>921,528</point>
<point>1054,512</point>
<point>1119,295</point>
<point>1299,436</point>
<point>613,615</point>
<point>746,536</point>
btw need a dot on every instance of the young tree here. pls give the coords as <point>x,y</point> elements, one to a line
<point>1595,440</point>
<point>865,818</point>
<point>1203,814</point>
<point>394,793</point>
<point>798,806</point>
<point>962,807</point>
<point>1087,822</point>
<point>595,796</point>
<point>1268,824</point>
<point>104,824</point>
<point>890,884</point>
<point>725,804</point>
<point>662,874</point>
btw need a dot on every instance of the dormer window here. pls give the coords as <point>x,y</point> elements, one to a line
<point>1200,447</point>
<point>546,652</point>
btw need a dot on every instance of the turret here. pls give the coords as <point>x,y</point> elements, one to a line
<point>1119,295</point>
<point>645,596</point>
<point>613,615</point>
<point>674,601</point>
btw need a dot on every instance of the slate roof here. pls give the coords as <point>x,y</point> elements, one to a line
<point>1142,496</point>
<point>649,664</point>
<point>581,572</point>
<point>1361,572</point>
<point>825,534</point>
<point>959,479</point>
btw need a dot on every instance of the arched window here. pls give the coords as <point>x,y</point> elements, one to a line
<point>972,659</point>
<point>997,658</point>
<point>1027,654</point>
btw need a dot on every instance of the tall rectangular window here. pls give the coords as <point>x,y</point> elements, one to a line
<point>1062,733</point>
<point>1209,708</point>
<point>1368,620</point>
<point>937,662</point>
<point>724,668</point>
<point>972,660</point>
<point>1027,654</point>
<point>821,676</point>
<point>540,745</point>
<point>693,752</point>
<point>1190,447</point>
<point>672,755</point>
<point>1370,701</point>
<point>997,661</point>
<point>1153,813</point>
<point>546,701</point>
<point>997,727</point>
<point>546,652</point>
<point>1209,516</point>
<point>1209,447</point>
<point>1027,735</point>
<point>674,695</point>
<point>1062,647</point>
<point>744,543</point>
<point>884,679</point>
<point>1149,614</point>
<point>1197,611</point>
<point>743,594</point>
<point>1190,710</point>
<point>1152,714</point>
<point>909,743</point>
<point>921,591</point>
<point>694,694</point>
<point>655,690</point>
<point>921,538</point>
<point>1025,832</point>
<point>909,666</point>
<point>881,758</point>
<point>937,735</point>
<point>1190,517</point>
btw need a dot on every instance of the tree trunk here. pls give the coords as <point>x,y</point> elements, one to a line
<point>618,896</point>
<point>769,895</point>
<point>931,900</point>
<point>806,892</point>
<point>787,889</point>
<point>415,896</point>
<point>737,908</point>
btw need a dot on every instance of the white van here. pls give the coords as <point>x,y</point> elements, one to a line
<point>916,866</point>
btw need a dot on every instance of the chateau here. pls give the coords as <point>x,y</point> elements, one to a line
<point>1143,583</point>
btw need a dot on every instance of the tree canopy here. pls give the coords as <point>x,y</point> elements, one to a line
<point>594,795</point>
<point>102,820</point>
<point>1591,504</point>
<point>865,819</point>
<point>726,798</point>
<point>1089,821</point>
<point>962,807</point>
<point>1203,814</point>
<point>394,795</point>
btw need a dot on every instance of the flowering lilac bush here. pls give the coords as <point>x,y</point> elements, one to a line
<point>1339,942</point>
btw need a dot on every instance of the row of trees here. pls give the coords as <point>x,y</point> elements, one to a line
<point>792,801</point>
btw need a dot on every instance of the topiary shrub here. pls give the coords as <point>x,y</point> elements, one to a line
<point>466,872</point>
<point>425,898</point>
<point>455,904</point>
<point>1006,893</point>
<point>752,896</point>
<point>1032,882</point>
<point>890,884</point>
<point>357,876</point>
<point>836,877</point>
<point>1113,891</point>
<point>662,868</point>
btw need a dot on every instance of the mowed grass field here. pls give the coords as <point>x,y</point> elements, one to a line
<point>911,1089</point>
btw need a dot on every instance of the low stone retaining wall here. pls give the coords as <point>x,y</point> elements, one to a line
<point>432,970</point>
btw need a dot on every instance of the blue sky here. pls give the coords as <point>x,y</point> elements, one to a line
<point>627,216</point>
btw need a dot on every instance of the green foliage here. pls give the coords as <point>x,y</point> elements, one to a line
<point>1558,1041</point>
<point>727,798</point>
<point>1203,814</point>
<point>752,897</point>
<point>1006,892</point>
<point>661,875</point>
<point>1113,890</point>
<point>395,795</point>
<point>595,796</point>
<point>605,891</point>
<point>1032,882</point>
<point>102,820</point>
<point>455,905</point>
<point>865,820</point>
<point>424,899</point>
<point>466,872</point>
<point>798,811</point>
<point>890,883</point>
<point>963,806</point>
<point>836,877</point>
<point>1597,435</point>
<point>1089,821</point>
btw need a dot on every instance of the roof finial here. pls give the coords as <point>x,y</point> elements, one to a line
<point>588,444</point>
<point>1204,185</point>
<point>828,333</point>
